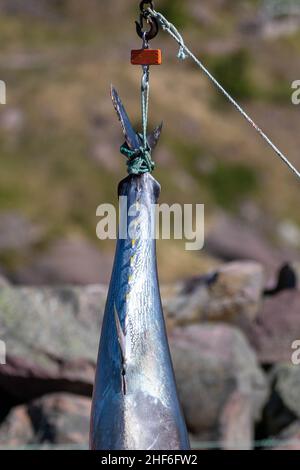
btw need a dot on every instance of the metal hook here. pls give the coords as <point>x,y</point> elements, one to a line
<point>145,2</point>
<point>153,31</point>
<point>154,26</point>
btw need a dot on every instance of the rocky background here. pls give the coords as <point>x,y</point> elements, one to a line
<point>232,309</point>
<point>231,341</point>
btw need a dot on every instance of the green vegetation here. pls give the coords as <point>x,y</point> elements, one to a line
<point>176,12</point>
<point>233,71</point>
<point>226,183</point>
<point>230,183</point>
<point>34,33</point>
<point>278,92</point>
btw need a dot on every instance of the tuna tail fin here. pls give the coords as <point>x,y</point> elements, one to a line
<point>133,139</point>
<point>153,138</point>
<point>131,136</point>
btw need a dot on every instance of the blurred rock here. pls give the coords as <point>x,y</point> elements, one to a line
<point>40,9</point>
<point>61,418</point>
<point>202,13</point>
<point>219,383</point>
<point>236,423</point>
<point>296,267</point>
<point>280,411</point>
<point>287,386</point>
<point>289,233</point>
<point>270,29</point>
<point>11,120</point>
<point>232,294</point>
<point>17,232</point>
<point>3,280</point>
<point>68,261</point>
<point>287,280</point>
<point>16,430</point>
<point>280,28</point>
<point>52,334</point>
<point>231,239</point>
<point>22,380</point>
<point>289,439</point>
<point>274,19</point>
<point>53,420</point>
<point>276,328</point>
<point>51,337</point>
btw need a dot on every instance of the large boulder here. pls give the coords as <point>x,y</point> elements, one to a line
<point>276,328</point>
<point>67,261</point>
<point>286,378</point>
<point>232,294</point>
<point>283,406</point>
<point>17,429</point>
<point>51,337</point>
<point>3,280</point>
<point>61,419</point>
<point>230,239</point>
<point>58,419</point>
<point>52,334</point>
<point>17,232</point>
<point>221,386</point>
<point>289,438</point>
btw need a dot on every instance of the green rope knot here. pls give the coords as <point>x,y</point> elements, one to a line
<point>138,161</point>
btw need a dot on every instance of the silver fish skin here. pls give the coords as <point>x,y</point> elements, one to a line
<point>135,403</point>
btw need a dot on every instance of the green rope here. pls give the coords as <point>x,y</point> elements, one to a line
<point>138,161</point>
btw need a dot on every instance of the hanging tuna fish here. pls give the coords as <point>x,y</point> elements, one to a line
<point>135,403</point>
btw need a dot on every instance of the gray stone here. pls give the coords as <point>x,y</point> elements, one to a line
<point>68,261</point>
<point>3,281</point>
<point>289,439</point>
<point>236,423</point>
<point>283,406</point>
<point>17,429</point>
<point>232,294</point>
<point>12,120</point>
<point>219,382</point>
<point>61,419</point>
<point>287,385</point>
<point>51,337</point>
<point>232,239</point>
<point>17,232</point>
<point>276,328</point>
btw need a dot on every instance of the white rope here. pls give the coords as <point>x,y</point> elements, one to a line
<point>184,51</point>
<point>145,103</point>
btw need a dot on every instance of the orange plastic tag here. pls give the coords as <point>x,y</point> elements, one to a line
<point>146,57</point>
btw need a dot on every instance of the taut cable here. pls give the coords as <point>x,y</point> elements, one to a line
<point>184,51</point>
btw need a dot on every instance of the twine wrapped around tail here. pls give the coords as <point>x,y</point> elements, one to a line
<point>138,161</point>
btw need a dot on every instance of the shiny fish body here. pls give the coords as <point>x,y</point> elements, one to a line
<point>135,403</point>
